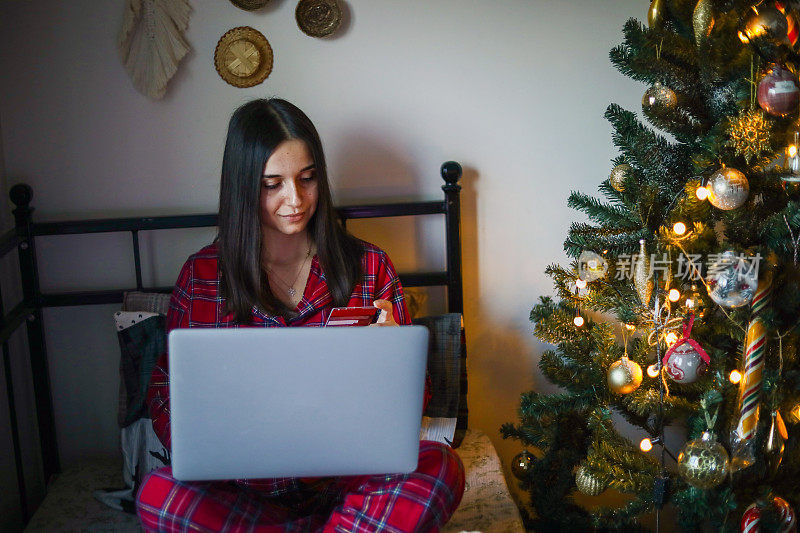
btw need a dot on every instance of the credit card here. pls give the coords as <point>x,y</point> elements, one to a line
<point>353,316</point>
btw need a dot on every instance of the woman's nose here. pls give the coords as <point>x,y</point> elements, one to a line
<point>292,194</point>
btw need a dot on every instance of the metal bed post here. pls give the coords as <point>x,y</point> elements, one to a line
<point>451,173</point>
<point>12,413</point>
<point>22,195</point>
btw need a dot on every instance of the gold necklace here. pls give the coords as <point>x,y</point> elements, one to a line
<point>290,290</point>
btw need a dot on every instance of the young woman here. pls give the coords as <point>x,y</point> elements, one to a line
<point>282,259</point>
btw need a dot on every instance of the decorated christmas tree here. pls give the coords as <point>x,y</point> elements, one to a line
<point>681,308</point>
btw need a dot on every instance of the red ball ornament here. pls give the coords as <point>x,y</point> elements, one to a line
<point>751,519</point>
<point>778,92</point>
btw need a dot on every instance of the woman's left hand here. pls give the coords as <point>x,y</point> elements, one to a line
<point>386,318</point>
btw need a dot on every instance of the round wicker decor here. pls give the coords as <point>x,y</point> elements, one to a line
<point>318,18</point>
<point>250,5</point>
<point>243,57</point>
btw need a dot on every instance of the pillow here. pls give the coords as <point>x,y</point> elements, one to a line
<point>142,339</point>
<point>153,302</point>
<point>447,369</point>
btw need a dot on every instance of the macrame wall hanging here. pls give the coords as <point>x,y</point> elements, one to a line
<point>151,42</point>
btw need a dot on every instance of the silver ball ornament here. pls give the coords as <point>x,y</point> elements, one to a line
<point>624,376</point>
<point>618,176</point>
<point>731,283</point>
<point>727,189</point>
<point>521,464</point>
<point>587,483</point>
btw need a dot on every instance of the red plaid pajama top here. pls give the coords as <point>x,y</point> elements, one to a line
<point>420,501</point>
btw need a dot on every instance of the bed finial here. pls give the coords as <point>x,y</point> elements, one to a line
<point>451,173</point>
<point>21,195</point>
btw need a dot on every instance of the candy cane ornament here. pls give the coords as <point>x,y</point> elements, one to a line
<point>743,454</point>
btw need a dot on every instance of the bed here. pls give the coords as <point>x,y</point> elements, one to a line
<point>71,502</point>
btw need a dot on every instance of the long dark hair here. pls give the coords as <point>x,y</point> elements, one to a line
<point>255,130</point>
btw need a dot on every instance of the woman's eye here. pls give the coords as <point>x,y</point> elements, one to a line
<point>309,178</point>
<point>271,186</point>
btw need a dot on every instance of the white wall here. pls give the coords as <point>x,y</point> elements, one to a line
<point>513,89</point>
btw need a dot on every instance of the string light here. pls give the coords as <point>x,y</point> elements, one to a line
<point>690,303</point>
<point>735,377</point>
<point>674,295</point>
<point>630,327</point>
<point>646,445</point>
<point>578,320</point>
<point>679,228</point>
<point>653,371</point>
<point>671,338</point>
<point>702,193</point>
<point>580,283</point>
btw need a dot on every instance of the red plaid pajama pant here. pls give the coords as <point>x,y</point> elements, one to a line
<point>421,501</point>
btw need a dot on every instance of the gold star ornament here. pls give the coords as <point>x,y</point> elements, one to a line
<point>750,133</point>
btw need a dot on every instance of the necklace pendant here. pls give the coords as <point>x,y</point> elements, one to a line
<point>291,292</point>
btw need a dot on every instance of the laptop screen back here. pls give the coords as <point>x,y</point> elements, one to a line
<point>295,402</point>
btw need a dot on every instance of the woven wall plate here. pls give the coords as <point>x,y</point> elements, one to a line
<point>318,18</point>
<point>250,5</point>
<point>243,57</point>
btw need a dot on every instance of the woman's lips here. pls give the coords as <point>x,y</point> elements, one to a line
<point>296,217</point>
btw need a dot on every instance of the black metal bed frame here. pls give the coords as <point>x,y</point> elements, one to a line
<point>29,310</point>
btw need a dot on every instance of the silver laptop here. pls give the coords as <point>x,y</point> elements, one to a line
<point>295,402</point>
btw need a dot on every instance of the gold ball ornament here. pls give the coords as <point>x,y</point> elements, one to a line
<point>624,376</point>
<point>521,464</point>
<point>587,483</point>
<point>659,100</point>
<point>618,176</point>
<point>767,21</point>
<point>727,189</point>
<point>703,462</point>
<point>591,267</point>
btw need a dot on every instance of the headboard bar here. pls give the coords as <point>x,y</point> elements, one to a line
<point>21,195</point>
<point>451,173</point>
<point>200,221</point>
<point>137,260</point>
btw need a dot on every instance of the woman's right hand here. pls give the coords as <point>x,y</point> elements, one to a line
<point>386,318</point>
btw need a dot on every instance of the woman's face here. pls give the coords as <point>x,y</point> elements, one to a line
<point>289,189</point>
